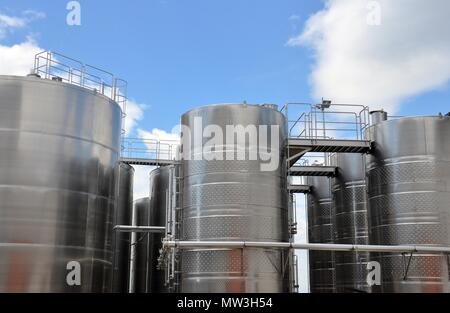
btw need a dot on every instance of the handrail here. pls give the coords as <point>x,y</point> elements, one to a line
<point>148,148</point>
<point>49,64</point>
<point>326,121</point>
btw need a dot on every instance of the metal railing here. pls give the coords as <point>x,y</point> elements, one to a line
<point>56,66</point>
<point>53,65</point>
<point>326,120</point>
<point>150,149</point>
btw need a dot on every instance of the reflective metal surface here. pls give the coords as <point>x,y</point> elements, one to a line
<point>350,209</point>
<point>121,240</point>
<point>409,195</point>
<point>159,201</point>
<point>234,200</point>
<point>59,149</point>
<point>141,248</point>
<point>321,230</point>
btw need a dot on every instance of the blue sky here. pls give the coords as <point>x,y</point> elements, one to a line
<point>180,54</point>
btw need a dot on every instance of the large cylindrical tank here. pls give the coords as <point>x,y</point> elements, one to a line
<point>350,209</point>
<point>140,252</point>
<point>226,198</point>
<point>409,200</point>
<point>321,230</point>
<point>59,151</point>
<point>121,241</point>
<point>160,180</point>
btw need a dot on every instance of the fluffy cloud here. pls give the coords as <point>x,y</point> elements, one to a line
<point>159,134</point>
<point>141,181</point>
<point>18,59</point>
<point>159,140</point>
<point>9,23</point>
<point>135,113</point>
<point>380,64</point>
<point>148,141</point>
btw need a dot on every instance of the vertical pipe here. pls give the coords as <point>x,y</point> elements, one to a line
<point>378,116</point>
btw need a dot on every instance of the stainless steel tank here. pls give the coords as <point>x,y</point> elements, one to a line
<point>409,196</point>
<point>350,209</point>
<point>160,180</point>
<point>140,252</point>
<point>59,150</point>
<point>234,199</point>
<point>321,230</point>
<point>121,241</point>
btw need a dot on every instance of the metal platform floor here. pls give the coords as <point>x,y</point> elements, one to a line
<point>149,162</point>
<point>312,170</point>
<point>298,147</point>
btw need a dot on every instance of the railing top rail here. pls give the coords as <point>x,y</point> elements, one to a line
<point>150,148</point>
<point>49,64</point>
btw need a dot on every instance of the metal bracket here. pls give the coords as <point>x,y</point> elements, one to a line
<point>448,265</point>
<point>406,266</point>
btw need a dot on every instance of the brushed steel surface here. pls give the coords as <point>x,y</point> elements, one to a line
<point>234,200</point>
<point>141,247</point>
<point>350,209</point>
<point>159,193</point>
<point>409,195</point>
<point>121,240</point>
<point>59,150</point>
<point>321,230</point>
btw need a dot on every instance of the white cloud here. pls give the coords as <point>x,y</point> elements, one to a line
<point>294,17</point>
<point>145,147</point>
<point>161,144</point>
<point>141,187</point>
<point>31,15</point>
<point>301,237</point>
<point>18,59</point>
<point>381,66</point>
<point>135,113</point>
<point>159,134</point>
<point>9,23</point>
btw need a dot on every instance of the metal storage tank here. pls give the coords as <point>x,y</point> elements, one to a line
<point>160,179</point>
<point>350,209</point>
<point>233,200</point>
<point>321,230</point>
<point>409,196</point>
<point>59,148</point>
<point>141,248</point>
<point>121,241</point>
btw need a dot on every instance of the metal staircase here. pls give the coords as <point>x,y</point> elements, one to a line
<point>319,131</point>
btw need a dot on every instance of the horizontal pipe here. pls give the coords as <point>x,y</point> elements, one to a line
<point>307,246</point>
<point>139,229</point>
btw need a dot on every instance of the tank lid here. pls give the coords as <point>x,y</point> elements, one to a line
<point>57,79</point>
<point>378,116</point>
<point>269,105</point>
<point>32,74</point>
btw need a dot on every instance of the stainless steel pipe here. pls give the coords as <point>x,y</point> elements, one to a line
<point>306,246</point>
<point>139,229</point>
